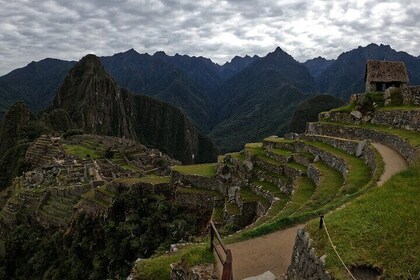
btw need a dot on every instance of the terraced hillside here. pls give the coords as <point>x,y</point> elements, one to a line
<point>278,183</point>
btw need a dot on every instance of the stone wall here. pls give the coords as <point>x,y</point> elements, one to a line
<point>195,199</point>
<point>305,263</point>
<point>330,159</point>
<point>197,181</point>
<point>348,146</point>
<point>400,145</point>
<point>411,95</point>
<point>314,174</point>
<point>409,120</point>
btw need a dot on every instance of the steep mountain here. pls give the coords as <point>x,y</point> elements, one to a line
<point>95,103</point>
<point>236,65</point>
<point>271,84</point>
<point>264,114</point>
<point>345,76</point>
<point>159,77</point>
<point>308,110</point>
<point>317,66</point>
<point>36,84</point>
<point>19,127</point>
<point>200,69</point>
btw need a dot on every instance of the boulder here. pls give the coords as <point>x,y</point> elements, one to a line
<point>357,114</point>
<point>268,275</point>
<point>361,147</point>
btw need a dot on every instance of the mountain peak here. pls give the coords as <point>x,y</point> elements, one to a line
<point>159,54</point>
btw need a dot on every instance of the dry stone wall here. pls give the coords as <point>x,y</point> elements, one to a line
<point>411,95</point>
<point>305,263</point>
<point>400,145</point>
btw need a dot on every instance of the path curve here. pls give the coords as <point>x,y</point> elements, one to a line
<point>273,252</point>
<point>393,162</point>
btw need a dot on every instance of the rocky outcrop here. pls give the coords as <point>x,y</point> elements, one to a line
<point>305,263</point>
<point>16,121</point>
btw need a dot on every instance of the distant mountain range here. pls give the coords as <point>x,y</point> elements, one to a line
<point>238,102</point>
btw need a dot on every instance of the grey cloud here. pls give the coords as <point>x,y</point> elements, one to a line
<point>33,30</point>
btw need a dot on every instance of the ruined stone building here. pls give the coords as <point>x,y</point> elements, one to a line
<point>380,75</point>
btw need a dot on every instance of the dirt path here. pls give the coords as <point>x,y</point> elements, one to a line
<point>394,162</point>
<point>271,252</point>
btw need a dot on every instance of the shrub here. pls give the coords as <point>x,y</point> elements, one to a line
<point>396,97</point>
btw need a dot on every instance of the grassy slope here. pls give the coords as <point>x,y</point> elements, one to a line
<point>206,170</point>
<point>158,268</point>
<point>380,228</point>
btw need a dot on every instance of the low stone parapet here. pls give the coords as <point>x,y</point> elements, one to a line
<point>397,143</point>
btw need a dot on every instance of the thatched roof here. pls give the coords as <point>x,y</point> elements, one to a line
<point>386,71</point>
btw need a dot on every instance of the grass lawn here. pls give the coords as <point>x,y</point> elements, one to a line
<point>380,229</point>
<point>147,179</point>
<point>158,268</point>
<point>82,151</point>
<point>206,170</point>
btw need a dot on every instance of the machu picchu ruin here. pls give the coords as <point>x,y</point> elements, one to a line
<point>107,184</point>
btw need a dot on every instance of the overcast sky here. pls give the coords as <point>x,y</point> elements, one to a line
<point>33,29</point>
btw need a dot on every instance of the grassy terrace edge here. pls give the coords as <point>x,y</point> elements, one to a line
<point>205,170</point>
<point>380,225</point>
<point>285,222</point>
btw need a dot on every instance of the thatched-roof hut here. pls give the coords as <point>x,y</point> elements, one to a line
<point>380,75</point>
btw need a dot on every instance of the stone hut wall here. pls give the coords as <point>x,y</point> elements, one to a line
<point>411,95</point>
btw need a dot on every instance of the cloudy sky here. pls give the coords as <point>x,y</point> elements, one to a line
<point>34,29</point>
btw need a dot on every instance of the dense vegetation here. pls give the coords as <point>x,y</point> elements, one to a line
<point>308,111</point>
<point>97,248</point>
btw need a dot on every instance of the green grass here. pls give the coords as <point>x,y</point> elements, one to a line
<point>282,152</point>
<point>359,173</point>
<point>158,268</point>
<point>232,208</point>
<point>260,154</point>
<point>331,181</point>
<point>238,155</point>
<point>154,180</point>
<point>205,170</point>
<point>297,166</point>
<point>82,151</point>
<point>380,229</point>
<point>278,140</point>
<point>249,196</point>
<point>217,215</point>
<point>348,108</point>
<point>254,145</point>
<point>402,108</point>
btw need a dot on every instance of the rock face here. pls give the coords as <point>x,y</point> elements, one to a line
<point>16,119</point>
<point>305,263</point>
<point>95,103</point>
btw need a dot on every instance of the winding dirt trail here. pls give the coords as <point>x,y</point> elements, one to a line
<point>273,252</point>
<point>394,162</point>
